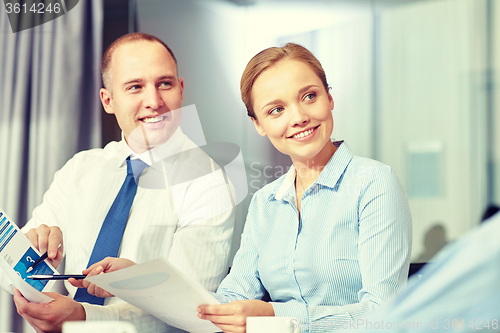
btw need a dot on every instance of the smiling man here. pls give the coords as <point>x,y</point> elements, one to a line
<point>190,223</point>
<point>142,90</point>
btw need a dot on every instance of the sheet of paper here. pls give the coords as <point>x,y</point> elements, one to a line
<point>162,290</point>
<point>16,255</point>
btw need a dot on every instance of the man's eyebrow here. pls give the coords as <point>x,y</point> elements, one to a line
<point>132,81</point>
<point>161,78</point>
<point>167,77</point>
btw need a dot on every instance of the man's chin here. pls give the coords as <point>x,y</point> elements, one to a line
<point>146,137</point>
<point>141,144</point>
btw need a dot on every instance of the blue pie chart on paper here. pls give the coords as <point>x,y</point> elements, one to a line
<point>141,282</point>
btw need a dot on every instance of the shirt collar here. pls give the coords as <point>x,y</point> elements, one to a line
<point>329,177</point>
<point>156,154</point>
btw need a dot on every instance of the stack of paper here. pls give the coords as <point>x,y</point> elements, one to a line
<point>162,290</point>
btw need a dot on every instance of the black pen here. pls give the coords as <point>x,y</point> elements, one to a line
<point>39,260</point>
<point>56,277</point>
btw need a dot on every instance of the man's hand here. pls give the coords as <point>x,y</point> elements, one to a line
<point>232,317</point>
<point>49,317</point>
<point>48,239</point>
<point>104,266</point>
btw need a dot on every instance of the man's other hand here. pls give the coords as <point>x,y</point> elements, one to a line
<point>106,265</point>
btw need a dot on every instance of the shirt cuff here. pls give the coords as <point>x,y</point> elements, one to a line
<point>98,313</point>
<point>292,309</point>
<point>219,297</point>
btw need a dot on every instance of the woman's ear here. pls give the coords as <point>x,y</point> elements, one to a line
<point>330,101</point>
<point>259,129</point>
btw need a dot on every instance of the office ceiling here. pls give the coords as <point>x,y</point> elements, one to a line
<point>378,3</point>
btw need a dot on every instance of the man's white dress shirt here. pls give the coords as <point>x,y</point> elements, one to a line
<point>187,216</point>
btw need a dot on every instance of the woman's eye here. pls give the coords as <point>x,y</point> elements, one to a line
<point>276,111</point>
<point>309,97</point>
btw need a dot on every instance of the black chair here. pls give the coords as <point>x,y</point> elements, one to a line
<point>415,267</point>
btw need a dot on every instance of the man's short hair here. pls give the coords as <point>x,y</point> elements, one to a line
<point>133,37</point>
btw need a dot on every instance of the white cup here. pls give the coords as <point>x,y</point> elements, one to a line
<point>98,327</point>
<point>272,325</point>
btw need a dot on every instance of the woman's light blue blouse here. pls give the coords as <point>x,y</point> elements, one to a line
<point>348,253</point>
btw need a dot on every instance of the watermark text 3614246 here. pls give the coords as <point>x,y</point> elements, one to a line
<point>26,14</point>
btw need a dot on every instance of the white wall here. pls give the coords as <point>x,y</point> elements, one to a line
<point>496,102</point>
<point>345,50</point>
<point>432,95</point>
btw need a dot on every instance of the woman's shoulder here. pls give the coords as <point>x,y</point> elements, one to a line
<point>369,173</point>
<point>368,166</point>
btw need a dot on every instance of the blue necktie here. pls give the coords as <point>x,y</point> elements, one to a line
<point>110,236</point>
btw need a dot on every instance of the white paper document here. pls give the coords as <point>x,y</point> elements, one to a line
<point>16,255</point>
<point>162,290</point>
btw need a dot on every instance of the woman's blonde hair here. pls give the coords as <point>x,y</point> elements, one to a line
<point>267,58</point>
